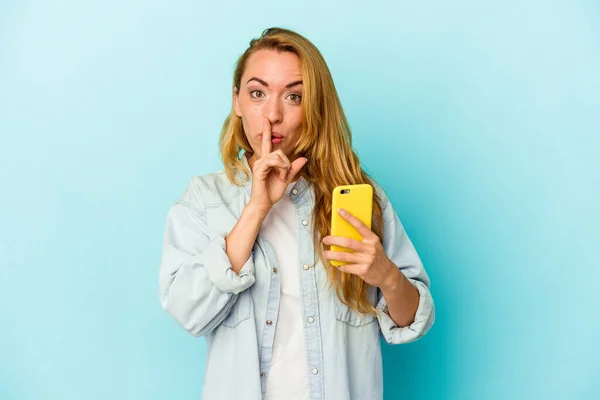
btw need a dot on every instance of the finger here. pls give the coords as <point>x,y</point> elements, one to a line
<point>343,256</point>
<point>285,164</point>
<point>286,161</point>
<point>269,163</point>
<point>295,167</point>
<point>277,156</point>
<point>357,223</point>
<point>354,269</point>
<point>266,137</point>
<point>283,156</point>
<point>346,242</point>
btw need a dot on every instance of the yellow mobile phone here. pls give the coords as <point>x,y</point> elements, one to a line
<point>358,201</point>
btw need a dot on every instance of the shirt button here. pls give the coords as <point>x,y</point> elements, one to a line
<point>269,322</point>
<point>304,222</point>
<point>262,374</point>
<point>275,270</point>
<point>294,191</point>
<point>311,320</point>
<point>305,267</point>
<point>315,371</point>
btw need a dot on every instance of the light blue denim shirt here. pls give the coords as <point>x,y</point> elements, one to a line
<point>237,313</point>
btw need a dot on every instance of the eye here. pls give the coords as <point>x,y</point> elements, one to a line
<point>296,97</point>
<point>256,91</point>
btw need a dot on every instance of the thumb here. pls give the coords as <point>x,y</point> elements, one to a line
<point>296,167</point>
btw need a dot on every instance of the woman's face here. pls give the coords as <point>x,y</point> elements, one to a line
<point>271,87</point>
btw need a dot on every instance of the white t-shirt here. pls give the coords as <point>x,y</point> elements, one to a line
<point>288,373</point>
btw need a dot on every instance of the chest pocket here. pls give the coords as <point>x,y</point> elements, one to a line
<point>240,311</point>
<point>347,315</point>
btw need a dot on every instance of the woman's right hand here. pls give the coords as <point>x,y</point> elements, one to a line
<point>271,173</point>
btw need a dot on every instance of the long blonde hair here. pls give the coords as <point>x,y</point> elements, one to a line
<point>326,141</point>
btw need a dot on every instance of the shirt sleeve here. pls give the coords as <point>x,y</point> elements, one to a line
<point>197,285</point>
<point>399,248</point>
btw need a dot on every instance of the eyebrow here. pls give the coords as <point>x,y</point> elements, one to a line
<point>289,85</point>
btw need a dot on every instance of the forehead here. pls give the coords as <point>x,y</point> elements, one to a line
<point>276,68</point>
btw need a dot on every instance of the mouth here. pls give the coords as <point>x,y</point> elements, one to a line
<point>275,137</point>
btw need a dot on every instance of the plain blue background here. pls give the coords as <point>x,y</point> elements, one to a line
<point>480,120</point>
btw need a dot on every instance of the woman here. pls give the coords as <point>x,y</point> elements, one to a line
<point>245,261</point>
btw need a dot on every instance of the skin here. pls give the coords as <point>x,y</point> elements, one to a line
<point>269,103</point>
<point>262,104</point>
<point>372,265</point>
<point>268,96</point>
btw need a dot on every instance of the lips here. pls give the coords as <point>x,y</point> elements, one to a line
<point>275,138</point>
<point>274,135</point>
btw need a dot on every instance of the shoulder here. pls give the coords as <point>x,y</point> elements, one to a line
<point>380,193</point>
<point>208,190</point>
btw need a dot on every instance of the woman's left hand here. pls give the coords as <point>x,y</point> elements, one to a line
<point>368,260</point>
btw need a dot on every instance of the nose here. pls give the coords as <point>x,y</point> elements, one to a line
<point>273,110</point>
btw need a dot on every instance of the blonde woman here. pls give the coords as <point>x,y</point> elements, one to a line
<point>245,261</point>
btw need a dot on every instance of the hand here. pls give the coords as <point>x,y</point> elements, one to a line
<point>368,260</point>
<point>271,173</point>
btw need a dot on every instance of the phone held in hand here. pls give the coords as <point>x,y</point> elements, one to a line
<point>358,201</point>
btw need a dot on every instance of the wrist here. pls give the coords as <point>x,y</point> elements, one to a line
<point>254,212</point>
<point>392,280</point>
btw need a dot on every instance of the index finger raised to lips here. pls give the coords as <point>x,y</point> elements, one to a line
<point>266,139</point>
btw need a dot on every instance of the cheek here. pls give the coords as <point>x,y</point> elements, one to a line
<point>251,118</point>
<point>298,119</point>
<point>295,120</point>
<point>256,110</point>
<point>254,121</point>
<point>248,108</point>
